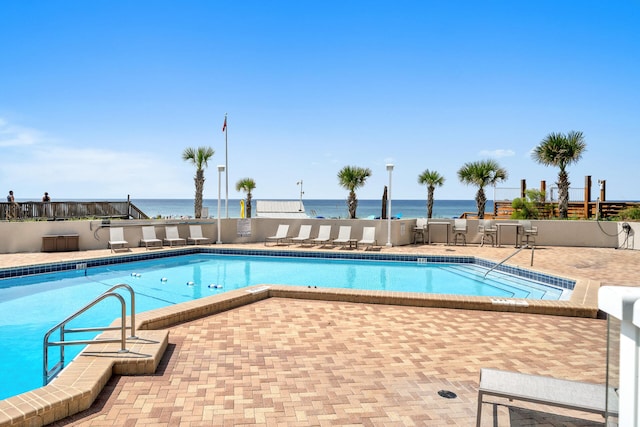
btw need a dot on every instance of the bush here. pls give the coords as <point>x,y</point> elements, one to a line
<point>629,214</point>
<point>529,206</point>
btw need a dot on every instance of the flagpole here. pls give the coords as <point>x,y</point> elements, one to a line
<point>226,163</point>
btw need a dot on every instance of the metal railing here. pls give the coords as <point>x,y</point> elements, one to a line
<point>509,257</point>
<point>49,374</point>
<point>69,210</point>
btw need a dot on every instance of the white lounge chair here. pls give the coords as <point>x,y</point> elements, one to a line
<point>303,235</point>
<point>577,395</point>
<point>324,235</point>
<point>172,236</point>
<point>116,238</point>
<point>149,237</point>
<point>368,237</point>
<point>344,236</point>
<point>195,235</point>
<point>281,236</point>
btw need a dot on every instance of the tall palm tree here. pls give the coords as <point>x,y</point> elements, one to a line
<point>558,149</point>
<point>431,179</point>
<point>352,178</point>
<point>481,173</point>
<point>247,185</point>
<point>199,157</point>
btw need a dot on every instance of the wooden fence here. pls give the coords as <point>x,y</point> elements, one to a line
<point>579,210</point>
<point>69,210</point>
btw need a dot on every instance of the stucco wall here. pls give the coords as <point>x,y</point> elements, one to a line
<point>27,236</point>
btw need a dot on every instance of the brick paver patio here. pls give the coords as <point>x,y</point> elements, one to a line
<point>302,363</point>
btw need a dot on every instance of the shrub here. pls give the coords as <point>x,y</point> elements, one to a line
<point>629,214</point>
<point>528,207</point>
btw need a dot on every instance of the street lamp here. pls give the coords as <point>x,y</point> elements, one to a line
<point>390,169</point>
<point>301,193</point>
<point>220,170</point>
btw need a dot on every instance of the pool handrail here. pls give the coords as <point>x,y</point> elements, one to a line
<point>507,258</point>
<point>49,374</point>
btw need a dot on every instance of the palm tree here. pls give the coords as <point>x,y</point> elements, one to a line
<point>561,150</point>
<point>431,179</point>
<point>481,173</point>
<point>352,178</point>
<point>247,185</point>
<point>199,157</point>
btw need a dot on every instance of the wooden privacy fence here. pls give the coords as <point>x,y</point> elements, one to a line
<point>69,210</point>
<point>579,210</point>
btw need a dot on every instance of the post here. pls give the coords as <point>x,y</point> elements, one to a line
<point>221,169</point>
<point>603,189</point>
<point>301,193</point>
<point>226,169</point>
<point>390,169</point>
<point>587,196</point>
<point>523,188</point>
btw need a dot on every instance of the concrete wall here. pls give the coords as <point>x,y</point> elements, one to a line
<point>18,237</point>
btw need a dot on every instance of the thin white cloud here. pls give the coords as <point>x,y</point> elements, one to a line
<point>17,136</point>
<point>100,173</point>
<point>499,153</point>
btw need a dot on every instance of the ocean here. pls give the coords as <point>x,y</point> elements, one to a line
<point>337,208</point>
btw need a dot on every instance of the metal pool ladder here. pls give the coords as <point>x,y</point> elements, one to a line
<point>507,258</point>
<point>49,374</point>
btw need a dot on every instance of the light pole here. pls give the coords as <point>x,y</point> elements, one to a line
<point>220,170</point>
<point>390,169</point>
<point>301,193</point>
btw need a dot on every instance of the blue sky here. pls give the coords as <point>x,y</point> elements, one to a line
<point>98,99</point>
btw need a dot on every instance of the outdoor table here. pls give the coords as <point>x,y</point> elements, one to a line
<point>446,224</point>
<point>501,225</point>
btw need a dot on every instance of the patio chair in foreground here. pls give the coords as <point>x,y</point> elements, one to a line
<point>368,237</point>
<point>324,235</point>
<point>149,238</point>
<point>116,238</point>
<point>581,396</point>
<point>281,236</point>
<point>195,235</point>
<point>303,235</point>
<point>344,236</point>
<point>172,236</point>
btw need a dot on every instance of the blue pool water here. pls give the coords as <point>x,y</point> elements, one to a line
<point>31,305</point>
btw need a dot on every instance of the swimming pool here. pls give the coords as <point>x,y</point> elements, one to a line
<point>32,304</point>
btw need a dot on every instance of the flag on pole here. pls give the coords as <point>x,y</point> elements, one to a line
<point>224,126</point>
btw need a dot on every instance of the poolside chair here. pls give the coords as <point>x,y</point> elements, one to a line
<point>149,237</point>
<point>487,228</point>
<point>368,237</point>
<point>281,236</point>
<point>303,235</point>
<point>195,235</point>
<point>172,236</point>
<point>116,238</point>
<point>576,395</point>
<point>459,231</point>
<point>344,236</point>
<point>420,230</point>
<point>528,233</point>
<point>324,235</point>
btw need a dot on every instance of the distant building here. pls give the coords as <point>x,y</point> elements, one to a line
<point>280,209</point>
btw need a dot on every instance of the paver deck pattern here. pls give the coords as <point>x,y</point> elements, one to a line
<point>302,363</point>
